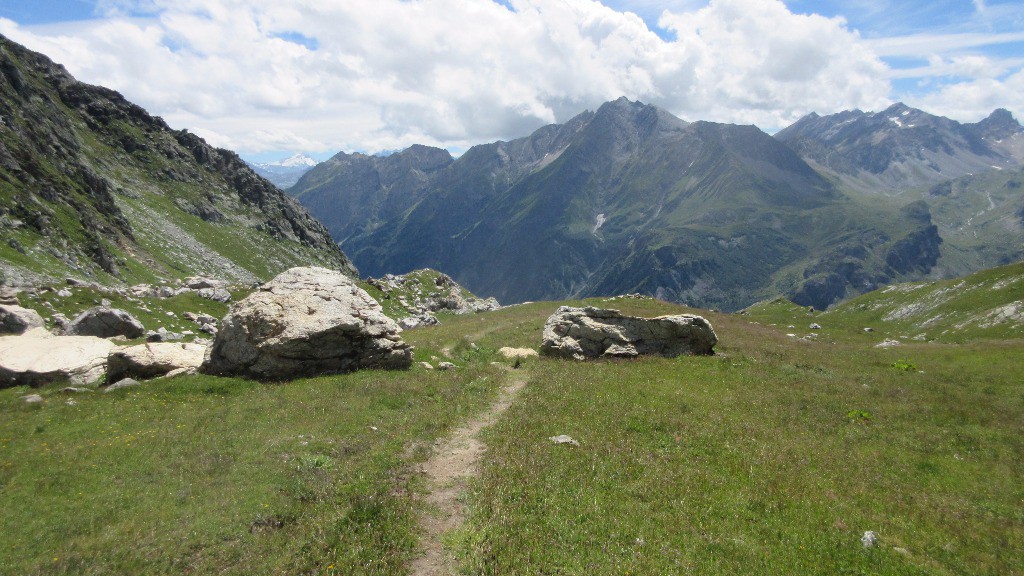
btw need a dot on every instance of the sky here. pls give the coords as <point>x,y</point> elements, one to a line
<point>270,78</point>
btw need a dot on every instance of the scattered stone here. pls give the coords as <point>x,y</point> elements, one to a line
<point>162,335</point>
<point>64,293</point>
<point>165,292</point>
<point>210,329</point>
<point>582,333</point>
<point>9,296</point>
<point>32,399</point>
<point>37,357</point>
<point>76,390</point>
<point>446,366</point>
<point>106,323</point>
<point>815,326</point>
<point>18,320</point>
<point>869,539</point>
<point>902,551</point>
<point>105,303</point>
<point>564,439</point>
<point>201,282</point>
<point>869,329</point>
<point>153,359</point>
<point>888,343</point>
<point>61,324</point>
<point>424,319</point>
<point>511,353</point>
<point>306,322</point>
<point>121,384</point>
<point>426,365</point>
<point>215,294</point>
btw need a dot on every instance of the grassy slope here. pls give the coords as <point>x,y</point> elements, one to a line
<point>772,457</point>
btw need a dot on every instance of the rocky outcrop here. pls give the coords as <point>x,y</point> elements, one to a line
<point>106,323</point>
<point>18,320</point>
<point>305,322</point>
<point>153,359</point>
<point>37,358</point>
<point>582,333</point>
<point>424,291</point>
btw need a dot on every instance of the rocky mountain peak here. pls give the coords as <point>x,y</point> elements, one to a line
<point>1000,124</point>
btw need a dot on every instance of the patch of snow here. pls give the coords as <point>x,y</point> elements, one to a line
<point>906,113</point>
<point>598,222</point>
<point>896,120</point>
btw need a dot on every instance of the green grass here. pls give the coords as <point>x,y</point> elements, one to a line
<point>773,457</point>
<point>213,475</point>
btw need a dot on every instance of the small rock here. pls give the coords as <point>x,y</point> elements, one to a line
<point>75,390</point>
<point>511,353</point>
<point>32,399</point>
<point>815,326</point>
<point>869,329</point>
<point>426,365</point>
<point>446,366</point>
<point>122,383</point>
<point>888,343</point>
<point>216,294</point>
<point>869,539</point>
<point>902,551</point>
<point>564,439</point>
<point>64,293</point>
<point>105,303</point>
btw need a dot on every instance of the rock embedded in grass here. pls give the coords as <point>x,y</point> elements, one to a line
<point>306,322</point>
<point>106,323</point>
<point>18,320</point>
<point>582,333</point>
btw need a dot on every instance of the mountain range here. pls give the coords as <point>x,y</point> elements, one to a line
<point>629,198</point>
<point>92,186</point>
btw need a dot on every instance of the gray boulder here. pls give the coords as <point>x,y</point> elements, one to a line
<point>106,323</point>
<point>153,359</point>
<point>215,294</point>
<point>582,333</point>
<point>18,320</point>
<point>37,358</point>
<point>305,322</point>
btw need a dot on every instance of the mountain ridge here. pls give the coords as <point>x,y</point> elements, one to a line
<point>92,185</point>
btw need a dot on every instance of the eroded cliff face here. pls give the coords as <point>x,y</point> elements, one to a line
<point>91,185</point>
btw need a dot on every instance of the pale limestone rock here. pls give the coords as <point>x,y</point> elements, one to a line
<point>512,353</point>
<point>582,333</point>
<point>306,322</point>
<point>37,357</point>
<point>153,359</point>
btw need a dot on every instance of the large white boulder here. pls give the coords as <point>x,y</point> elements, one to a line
<point>37,358</point>
<point>305,322</point>
<point>582,333</point>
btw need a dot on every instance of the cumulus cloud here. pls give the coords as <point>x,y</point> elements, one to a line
<point>304,75</point>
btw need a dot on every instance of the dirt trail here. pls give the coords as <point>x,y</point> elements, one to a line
<point>456,459</point>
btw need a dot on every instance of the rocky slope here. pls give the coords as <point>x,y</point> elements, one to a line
<point>625,199</point>
<point>92,186</point>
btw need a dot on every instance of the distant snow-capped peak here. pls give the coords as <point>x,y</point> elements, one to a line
<point>297,161</point>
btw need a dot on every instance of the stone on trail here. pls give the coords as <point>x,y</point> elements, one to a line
<point>512,353</point>
<point>582,333</point>
<point>306,322</point>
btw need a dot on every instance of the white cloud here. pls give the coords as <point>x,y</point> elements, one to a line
<point>388,73</point>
